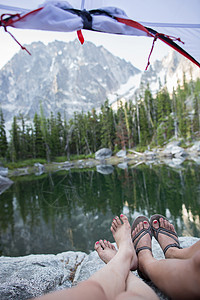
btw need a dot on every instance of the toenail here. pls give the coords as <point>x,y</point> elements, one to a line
<point>104,240</point>
<point>113,219</point>
<point>97,242</point>
<point>121,215</point>
<point>145,222</point>
<point>155,221</point>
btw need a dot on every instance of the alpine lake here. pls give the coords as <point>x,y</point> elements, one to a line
<point>71,209</point>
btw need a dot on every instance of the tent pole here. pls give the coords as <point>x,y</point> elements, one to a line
<point>82,4</point>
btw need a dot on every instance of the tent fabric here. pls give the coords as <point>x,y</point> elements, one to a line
<point>58,17</point>
<point>180,18</point>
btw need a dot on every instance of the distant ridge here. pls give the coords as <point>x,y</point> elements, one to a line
<point>69,77</point>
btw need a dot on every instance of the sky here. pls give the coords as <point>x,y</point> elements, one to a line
<point>133,49</point>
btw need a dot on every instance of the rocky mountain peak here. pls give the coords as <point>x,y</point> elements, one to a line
<point>69,77</point>
<point>169,72</point>
<point>63,77</point>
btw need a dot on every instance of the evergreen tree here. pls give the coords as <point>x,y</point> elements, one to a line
<point>174,113</point>
<point>122,129</point>
<point>22,138</point>
<point>94,130</point>
<point>150,119</point>
<point>129,113</point>
<point>196,105</point>
<point>30,141</point>
<point>163,105</point>
<point>15,141</point>
<point>107,126</point>
<point>145,134</point>
<point>61,136</point>
<point>43,122</point>
<point>181,112</point>
<point>54,139</point>
<point>3,139</point>
<point>38,138</point>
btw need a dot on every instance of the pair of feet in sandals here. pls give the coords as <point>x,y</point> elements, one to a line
<point>141,234</point>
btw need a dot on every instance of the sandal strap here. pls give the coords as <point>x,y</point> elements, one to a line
<point>143,248</point>
<point>172,245</point>
<point>140,234</point>
<point>165,231</point>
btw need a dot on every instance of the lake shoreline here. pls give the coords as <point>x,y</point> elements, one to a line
<point>131,159</point>
<point>171,155</point>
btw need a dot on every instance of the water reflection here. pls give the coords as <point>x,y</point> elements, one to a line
<point>70,210</point>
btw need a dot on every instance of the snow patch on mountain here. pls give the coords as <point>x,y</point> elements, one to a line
<point>69,77</point>
<point>169,72</point>
<point>127,90</point>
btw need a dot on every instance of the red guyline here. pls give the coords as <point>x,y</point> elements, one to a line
<point>128,22</point>
<point>158,35</point>
<point>133,24</point>
<point>178,49</point>
<point>169,40</point>
<point>10,21</point>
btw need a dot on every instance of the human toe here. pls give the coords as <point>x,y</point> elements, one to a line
<point>146,224</point>
<point>102,244</point>
<point>162,224</point>
<point>114,225</point>
<point>97,246</point>
<point>117,220</point>
<point>155,224</point>
<point>124,219</point>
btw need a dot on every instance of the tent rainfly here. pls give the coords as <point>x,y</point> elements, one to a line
<point>176,23</point>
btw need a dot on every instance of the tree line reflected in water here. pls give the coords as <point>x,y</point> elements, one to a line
<point>70,210</point>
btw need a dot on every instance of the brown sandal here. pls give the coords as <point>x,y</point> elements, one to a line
<point>139,235</point>
<point>165,231</point>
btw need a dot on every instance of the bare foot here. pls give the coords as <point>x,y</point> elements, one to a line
<point>121,231</point>
<point>105,250</point>
<point>164,239</point>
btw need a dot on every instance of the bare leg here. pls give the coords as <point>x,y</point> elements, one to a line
<point>113,276</point>
<point>164,240</point>
<point>109,281</point>
<point>87,290</point>
<point>135,287</point>
<point>178,278</point>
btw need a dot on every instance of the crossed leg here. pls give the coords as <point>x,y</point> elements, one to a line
<point>135,288</point>
<point>112,280</point>
<point>177,278</point>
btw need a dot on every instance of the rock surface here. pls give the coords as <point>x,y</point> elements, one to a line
<point>55,70</point>
<point>174,151</point>
<point>105,169</point>
<point>103,154</point>
<point>39,169</point>
<point>30,276</point>
<point>195,147</point>
<point>121,153</point>
<point>123,165</point>
<point>5,183</point>
<point>3,171</point>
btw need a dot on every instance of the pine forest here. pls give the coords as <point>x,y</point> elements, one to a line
<point>149,121</point>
